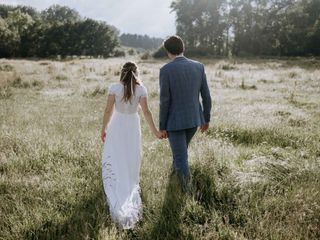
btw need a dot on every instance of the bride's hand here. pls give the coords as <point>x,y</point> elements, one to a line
<point>103,135</point>
<point>159,134</point>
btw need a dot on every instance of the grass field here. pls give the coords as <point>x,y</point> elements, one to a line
<point>256,172</point>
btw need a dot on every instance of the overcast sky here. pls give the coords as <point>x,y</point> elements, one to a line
<point>150,17</point>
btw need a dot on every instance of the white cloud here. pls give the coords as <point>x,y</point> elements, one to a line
<point>150,17</point>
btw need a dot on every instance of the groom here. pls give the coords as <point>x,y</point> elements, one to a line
<point>181,82</point>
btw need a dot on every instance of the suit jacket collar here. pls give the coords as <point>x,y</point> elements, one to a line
<point>179,58</point>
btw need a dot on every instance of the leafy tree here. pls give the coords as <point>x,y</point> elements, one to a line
<point>251,27</point>
<point>18,21</point>
<point>13,27</point>
<point>59,15</point>
<point>4,9</point>
<point>88,37</point>
<point>8,40</point>
<point>202,24</point>
<point>58,30</point>
<point>97,38</point>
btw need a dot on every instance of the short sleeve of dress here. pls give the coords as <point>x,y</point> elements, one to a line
<point>112,89</point>
<point>143,91</point>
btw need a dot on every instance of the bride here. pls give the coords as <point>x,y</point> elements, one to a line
<point>121,134</point>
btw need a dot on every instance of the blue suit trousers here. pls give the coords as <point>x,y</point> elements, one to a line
<point>179,142</point>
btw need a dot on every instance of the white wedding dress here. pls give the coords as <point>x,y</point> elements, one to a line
<point>121,158</point>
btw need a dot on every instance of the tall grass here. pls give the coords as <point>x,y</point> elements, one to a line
<point>255,173</point>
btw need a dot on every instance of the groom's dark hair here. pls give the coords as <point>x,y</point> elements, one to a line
<point>174,45</point>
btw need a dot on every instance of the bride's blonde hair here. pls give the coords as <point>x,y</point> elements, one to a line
<point>129,78</point>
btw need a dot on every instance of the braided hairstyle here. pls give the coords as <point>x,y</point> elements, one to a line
<point>129,79</point>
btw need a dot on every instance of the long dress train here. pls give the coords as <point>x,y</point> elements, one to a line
<point>121,160</point>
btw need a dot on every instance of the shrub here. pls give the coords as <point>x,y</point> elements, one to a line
<point>119,53</point>
<point>61,77</point>
<point>6,68</point>
<point>93,92</point>
<point>145,56</point>
<point>37,83</point>
<point>247,87</point>
<point>227,67</point>
<point>5,92</point>
<point>292,74</point>
<point>18,83</point>
<point>131,52</point>
<point>160,53</point>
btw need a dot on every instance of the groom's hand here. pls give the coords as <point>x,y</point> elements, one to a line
<point>164,133</point>
<point>204,127</point>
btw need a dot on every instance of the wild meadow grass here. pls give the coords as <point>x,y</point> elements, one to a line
<point>256,172</point>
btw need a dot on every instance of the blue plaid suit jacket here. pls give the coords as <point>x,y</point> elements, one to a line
<point>182,81</point>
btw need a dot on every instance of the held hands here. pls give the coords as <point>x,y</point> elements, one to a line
<point>164,134</point>
<point>161,134</point>
<point>204,127</point>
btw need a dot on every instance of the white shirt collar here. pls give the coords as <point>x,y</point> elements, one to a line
<point>180,55</point>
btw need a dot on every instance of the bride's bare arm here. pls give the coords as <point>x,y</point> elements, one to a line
<point>107,115</point>
<point>148,116</point>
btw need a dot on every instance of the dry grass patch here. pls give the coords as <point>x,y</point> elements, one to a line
<point>255,173</point>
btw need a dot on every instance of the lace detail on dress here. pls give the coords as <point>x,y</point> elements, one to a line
<point>129,213</point>
<point>127,107</point>
<point>108,174</point>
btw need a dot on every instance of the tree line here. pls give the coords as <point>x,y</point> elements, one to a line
<point>249,27</point>
<point>209,27</point>
<point>140,41</point>
<point>57,30</point>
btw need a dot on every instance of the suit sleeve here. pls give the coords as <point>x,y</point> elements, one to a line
<point>205,95</point>
<point>165,99</point>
